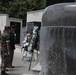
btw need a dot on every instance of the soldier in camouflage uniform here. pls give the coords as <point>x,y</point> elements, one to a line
<point>5,50</point>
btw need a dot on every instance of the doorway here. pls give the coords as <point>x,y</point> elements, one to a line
<point>30,26</point>
<point>17,31</point>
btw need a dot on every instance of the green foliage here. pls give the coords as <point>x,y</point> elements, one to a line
<point>18,8</point>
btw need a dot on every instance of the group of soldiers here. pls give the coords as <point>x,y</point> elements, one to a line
<point>7,42</point>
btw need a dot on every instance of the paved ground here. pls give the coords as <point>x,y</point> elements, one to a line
<point>21,68</point>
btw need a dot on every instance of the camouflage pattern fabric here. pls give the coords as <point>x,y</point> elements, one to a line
<point>5,37</point>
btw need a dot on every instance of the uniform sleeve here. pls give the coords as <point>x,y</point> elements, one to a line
<point>7,38</point>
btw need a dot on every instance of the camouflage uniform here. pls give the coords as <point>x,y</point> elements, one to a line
<point>4,52</point>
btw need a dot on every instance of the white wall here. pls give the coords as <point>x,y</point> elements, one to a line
<point>3,21</point>
<point>23,33</point>
<point>34,16</point>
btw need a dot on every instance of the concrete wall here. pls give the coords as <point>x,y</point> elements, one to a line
<point>3,21</point>
<point>23,33</point>
<point>34,16</point>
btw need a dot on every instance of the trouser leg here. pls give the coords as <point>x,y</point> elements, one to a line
<point>11,56</point>
<point>3,63</point>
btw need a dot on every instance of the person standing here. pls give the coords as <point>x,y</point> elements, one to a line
<point>5,50</point>
<point>12,45</point>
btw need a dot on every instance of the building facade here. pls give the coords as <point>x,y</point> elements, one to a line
<point>5,20</point>
<point>33,18</point>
